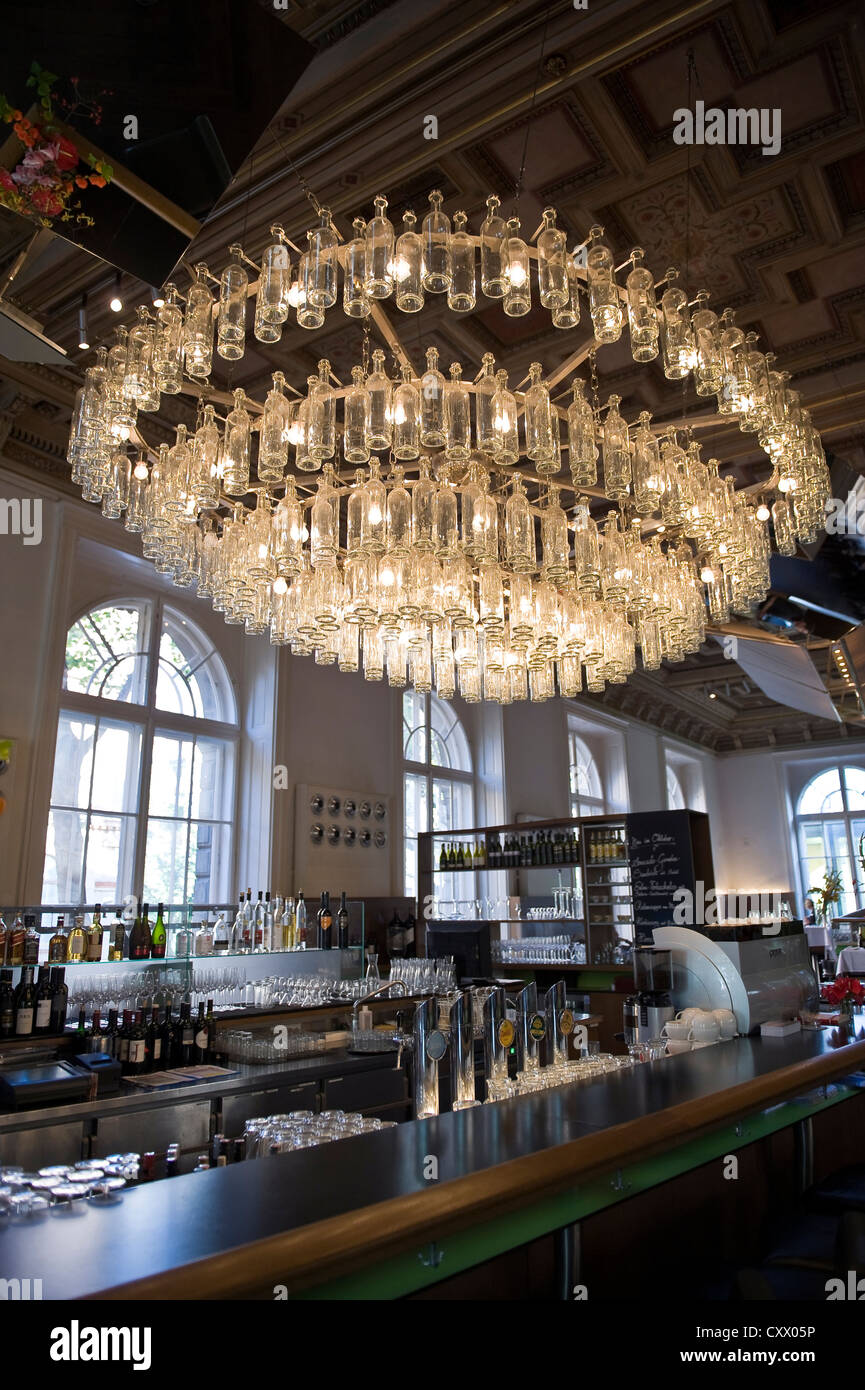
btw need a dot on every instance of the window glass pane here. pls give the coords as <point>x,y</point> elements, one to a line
<point>171,774</point>
<point>416,821</point>
<point>106,653</point>
<point>854,781</point>
<point>116,767</point>
<point>110,856</point>
<point>165,861</point>
<point>822,794</point>
<point>209,868</point>
<point>584,777</point>
<point>192,678</point>
<point>73,761</point>
<point>64,857</point>
<point>414,727</point>
<point>449,746</point>
<point>452,805</point>
<point>212,779</point>
<point>675,795</point>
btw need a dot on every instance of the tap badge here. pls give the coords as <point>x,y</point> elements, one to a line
<point>436,1045</point>
<point>566,1022</point>
<point>537,1027</point>
<point>506,1032</point>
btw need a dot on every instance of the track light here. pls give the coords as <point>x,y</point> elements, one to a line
<point>116,301</point>
<point>157,297</point>
<point>83,340</point>
<point>763,512</point>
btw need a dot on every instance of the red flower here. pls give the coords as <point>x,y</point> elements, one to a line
<point>6,180</point>
<point>67,157</point>
<point>46,202</point>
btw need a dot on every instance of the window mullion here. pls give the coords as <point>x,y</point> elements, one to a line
<point>143,807</point>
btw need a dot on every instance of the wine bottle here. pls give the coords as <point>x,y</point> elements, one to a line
<point>210,1020</point>
<point>137,1047</point>
<point>25,1003</point>
<point>443,857</point>
<point>325,923</point>
<point>42,1019</point>
<point>94,1032</point>
<point>158,938</point>
<point>59,998</point>
<point>111,1033</point>
<point>342,924</point>
<point>93,950</point>
<point>7,1004</point>
<point>200,1045</point>
<point>123,1041</point>
<point>81,1030</point>
<point>117,943</point>
<point>164,1036</point>
<point>136,937</point>
<point>77,947</point>
<point>183,1039</point>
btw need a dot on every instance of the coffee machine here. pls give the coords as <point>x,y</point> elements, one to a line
<point>651,1006</point>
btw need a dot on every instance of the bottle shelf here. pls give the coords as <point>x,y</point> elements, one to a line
<point>174,962</point>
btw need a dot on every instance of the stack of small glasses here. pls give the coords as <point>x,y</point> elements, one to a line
<point>302,1129</point>
<point>62,1188</point>
<point>560,1074</point>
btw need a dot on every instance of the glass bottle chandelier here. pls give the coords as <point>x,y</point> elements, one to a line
<point>470,576</point>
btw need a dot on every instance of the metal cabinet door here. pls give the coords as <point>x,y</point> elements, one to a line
<point>185,1124</point>
<point>366,1090</point>
<point>278,1100</point>
<point>31,1149</point>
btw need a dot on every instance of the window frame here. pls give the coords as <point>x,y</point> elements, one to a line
<point>151,721</point>
<point>431,772</point>
<point>584,804</point>
<point>844,817</point>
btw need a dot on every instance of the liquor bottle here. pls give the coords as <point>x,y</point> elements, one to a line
<point>25,1004</point>
<point>325,924</point>
<point>267,931</point>
<point>81,1030</point>
<point>236,945</point>
<point>31,941</point>
<point>77,947</point>
<point>4,937</point>
<point>258,924</point>
<point>59,998</point>
<point>204,939</point>
<point>277,933</point>
<point>93,946</point>
<point>201,1050</point>
<point>137,1056</point>
<point>57,945</point>
<point>221,936</point>
<point>42,1019</point>
<point>117,943</point>
<point>139,937</point>
<point>288,934</point>
<point>111,1033</point>
<point>7,1004</point>
<point>342,924</point>
<point>15,943</point>
<point>248,922</point>
<point>300,923</point>
<point>158,938</point>
<point>183,1039</point>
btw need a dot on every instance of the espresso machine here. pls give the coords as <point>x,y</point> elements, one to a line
<point>651,1006</point>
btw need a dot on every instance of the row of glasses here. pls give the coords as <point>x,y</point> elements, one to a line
<point>421,975</point>
<point>302,1129</point>
<point>560,1074</point>
<point>241,1045</point>
<point>539,950</point>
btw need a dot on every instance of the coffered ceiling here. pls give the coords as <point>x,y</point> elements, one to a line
<point>582,102</point>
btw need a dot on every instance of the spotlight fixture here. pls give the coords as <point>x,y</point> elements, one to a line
<point>83,340</point>
<point>712,695</point>
<point>763,512</point>
<point>115,303</point>
<point>157,297</point>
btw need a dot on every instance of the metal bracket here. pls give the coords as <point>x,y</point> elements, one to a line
<point>432,1256</point>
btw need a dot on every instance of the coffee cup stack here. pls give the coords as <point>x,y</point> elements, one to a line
<point>694,1028</point>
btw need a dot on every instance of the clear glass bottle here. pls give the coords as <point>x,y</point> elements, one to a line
<point>554,538</point>
<point>676,338</point>
<point>273,433</point>
<point>321,286</point>
<point>462,290</point>
<point>373,529</point>
<point>423,500</point>
<point>582,450</point>
<point>357,502</point>
<point>552,263</point>
<point>506,448</point>
<point>231,318</point>
<point>398,515</point>
<point>494,281</point>
<point>538,417</point>
<point>139,359</point>
<point>304,458</point>
<point>486,438</point>
<point>457,413</point>
<point>168,344</point>
<point>355,300</point>
<point>617,457</point>
<point>648,478</point>
<point>274,283</point>
<point>205,460</point>
<point>288,532</point>
<point>642,310</point>
<point>520,551</point>
<point>438,269</point>
<point>408,266</point>
<point>324,525</point>
<point>380,391</point>
<point>309,314</point>
<point>445,530</point>
<point>732,349</point>
<point>406,417</point>
<point>379,253</point>
<point>355,436</point>
<point>518,272</point>
<point>587,565</point>
<point>321,420</point>
<point>432,388</point>
<point>198,325</point>
<point>235,479</point>
<point>707,347</point>
<point>604,304</point>
<point>567,315</point>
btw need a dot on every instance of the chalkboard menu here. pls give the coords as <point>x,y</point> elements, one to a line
<point>669,851</point>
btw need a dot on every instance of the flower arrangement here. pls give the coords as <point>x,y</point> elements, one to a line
<point>845,993</point>
<point>43,184</point>
<point>826,896</point>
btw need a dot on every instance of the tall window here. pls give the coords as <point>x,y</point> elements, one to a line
<point>830,823</point>
<point>142,799</point>
<point>587,794</point>
<point>437,778</point>
<point>675,794</point>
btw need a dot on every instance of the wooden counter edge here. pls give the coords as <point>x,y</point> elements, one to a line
<point>310,1255</point>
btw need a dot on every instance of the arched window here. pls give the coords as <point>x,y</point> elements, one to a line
<point>437,777</point>
<point>675,794</point>
<point>587,793</point>
<point>142,799</point>
<point>830,824</point>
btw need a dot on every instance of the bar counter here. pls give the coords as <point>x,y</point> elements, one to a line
<point>506,1172</point>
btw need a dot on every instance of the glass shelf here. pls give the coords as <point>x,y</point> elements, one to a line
<point>175,962</point>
